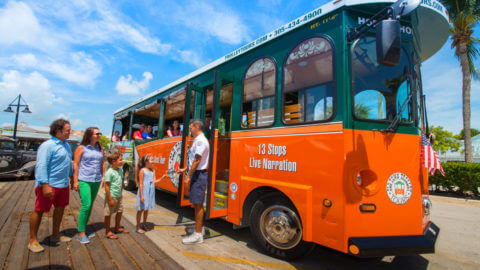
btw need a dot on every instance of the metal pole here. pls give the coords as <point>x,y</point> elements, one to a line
<point>161,118</point>
<point>16,120</point>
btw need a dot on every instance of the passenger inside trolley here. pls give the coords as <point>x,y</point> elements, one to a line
<point>174,129</point>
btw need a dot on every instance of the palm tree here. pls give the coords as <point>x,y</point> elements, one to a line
<point>464,15</point>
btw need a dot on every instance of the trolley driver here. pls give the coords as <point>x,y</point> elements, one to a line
<point>197,176</point>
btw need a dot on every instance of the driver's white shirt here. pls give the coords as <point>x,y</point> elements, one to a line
<point>200,147</point>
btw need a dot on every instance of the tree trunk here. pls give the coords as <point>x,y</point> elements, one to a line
<point>462,53</point>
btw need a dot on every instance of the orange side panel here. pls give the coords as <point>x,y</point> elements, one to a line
<point>382,154</point>
<point>163,152</point>
<point>297,161</point>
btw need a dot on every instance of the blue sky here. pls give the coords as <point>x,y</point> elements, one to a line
<point>83,59</point>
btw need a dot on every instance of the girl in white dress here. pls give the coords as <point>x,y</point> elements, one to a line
<point>146,190</point>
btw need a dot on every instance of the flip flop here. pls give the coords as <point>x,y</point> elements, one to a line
<point>121,230</point>
<point>140,231</point>
<point>111,236</point>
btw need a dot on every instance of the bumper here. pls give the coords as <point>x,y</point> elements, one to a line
<point>396,245</point>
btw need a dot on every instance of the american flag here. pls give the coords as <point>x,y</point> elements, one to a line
<point>430,158</point>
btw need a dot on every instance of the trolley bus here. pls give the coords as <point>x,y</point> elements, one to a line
<point>314,130</point>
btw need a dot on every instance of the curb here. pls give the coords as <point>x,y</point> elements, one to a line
<point>458,201</point>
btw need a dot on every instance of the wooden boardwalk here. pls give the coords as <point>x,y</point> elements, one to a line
<point>129,251</point>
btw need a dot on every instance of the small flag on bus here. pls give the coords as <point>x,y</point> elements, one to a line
<point>430,158</point>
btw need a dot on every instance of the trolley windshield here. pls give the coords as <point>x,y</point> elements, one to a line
<point>379,91</point>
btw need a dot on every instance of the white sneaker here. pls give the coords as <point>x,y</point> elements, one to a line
<point>190,230</point>
<point>194,238</point>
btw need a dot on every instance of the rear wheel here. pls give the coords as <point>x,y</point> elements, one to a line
<point>276,227</point>
<point>128,184</point>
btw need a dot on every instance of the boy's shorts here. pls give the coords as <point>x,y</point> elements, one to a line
<point>61,197</point>
<point>117,207</point>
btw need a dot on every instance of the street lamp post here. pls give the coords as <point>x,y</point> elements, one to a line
<point>18,105</point>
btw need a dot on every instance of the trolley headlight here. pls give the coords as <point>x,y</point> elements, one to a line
<point>427,205</point>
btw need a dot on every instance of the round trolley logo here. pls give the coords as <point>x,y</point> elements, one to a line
<point>174,162</point>
<point>399,188</point>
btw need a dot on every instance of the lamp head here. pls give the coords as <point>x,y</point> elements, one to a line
<point>26,110</point>
<point>9,109</point>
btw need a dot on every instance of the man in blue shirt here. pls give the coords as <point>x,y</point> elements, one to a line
<point>54,167</point>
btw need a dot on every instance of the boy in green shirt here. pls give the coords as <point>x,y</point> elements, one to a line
<point>113,195</point>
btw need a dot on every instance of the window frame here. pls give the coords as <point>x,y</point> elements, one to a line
<point>275,95</point>
<point>333,82</point>
<point>352,86</point>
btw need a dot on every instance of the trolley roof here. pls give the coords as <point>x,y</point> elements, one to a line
<point>432,33</point>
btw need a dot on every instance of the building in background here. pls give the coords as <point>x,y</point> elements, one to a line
<point>30,137</point>
<point>459,155</point>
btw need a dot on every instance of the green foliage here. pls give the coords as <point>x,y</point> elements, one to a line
<point>459,177</point>
<point>474,132</point>
<point>104,141</point>
<point>444,140</point>
<point>362,111</point>
<point>464,16</point>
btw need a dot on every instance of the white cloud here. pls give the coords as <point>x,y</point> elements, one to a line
<point>35,90</point>
<point>25,60</point>
<point>74,122</point>
<point>48,49</point>
<point>129,86</point>
<point>21,27</point>
<point>191,57</point>
<point>82,69</point>
<point>97,22</point>
<point>219,22</point>
<point>43,35</point>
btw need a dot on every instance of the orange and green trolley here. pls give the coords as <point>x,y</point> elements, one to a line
<point>314,130</point>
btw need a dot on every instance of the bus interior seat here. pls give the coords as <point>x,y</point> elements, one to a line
<point>292,114</point>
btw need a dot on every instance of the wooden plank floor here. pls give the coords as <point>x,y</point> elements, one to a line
<point>130,251</point>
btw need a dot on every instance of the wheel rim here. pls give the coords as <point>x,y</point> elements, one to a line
<point>281,227</point>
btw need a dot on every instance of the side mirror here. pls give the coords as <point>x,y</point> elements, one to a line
<point>389,45</point>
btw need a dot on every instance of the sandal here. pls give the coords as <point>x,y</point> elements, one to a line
<point>111,236</point>
<point>121,230</point>
<point>140,231</point>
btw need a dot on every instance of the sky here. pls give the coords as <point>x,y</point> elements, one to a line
<point>84,59</point>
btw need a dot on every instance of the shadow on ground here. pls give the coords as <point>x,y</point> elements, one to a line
<point>319,258</point>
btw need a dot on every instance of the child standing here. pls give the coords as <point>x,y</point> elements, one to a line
<point>146,190</point>
<point>113,195</point>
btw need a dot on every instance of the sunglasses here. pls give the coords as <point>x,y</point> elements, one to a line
<point>98,134</point>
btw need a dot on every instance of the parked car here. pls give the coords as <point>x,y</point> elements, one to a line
<point>14,162</point>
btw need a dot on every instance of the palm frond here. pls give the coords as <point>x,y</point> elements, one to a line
<point>455,7</point>
<point>462,25</point>
<point>473,51</point>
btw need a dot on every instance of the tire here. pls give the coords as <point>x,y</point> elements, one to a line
<point>128,184</point>
<point>279,211</point>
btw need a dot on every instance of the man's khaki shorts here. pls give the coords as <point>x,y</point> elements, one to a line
<point>117,207</point>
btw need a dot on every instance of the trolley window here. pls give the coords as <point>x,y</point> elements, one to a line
<point>308,82</point>
<point>258,108</point>
<point>379,91</point>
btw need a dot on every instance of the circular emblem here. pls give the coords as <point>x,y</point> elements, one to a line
<point>399,188</point>
<point>174,162</point>
<point>233,187</point>
<point>233,196</point>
